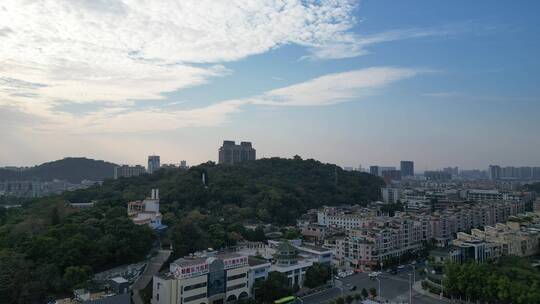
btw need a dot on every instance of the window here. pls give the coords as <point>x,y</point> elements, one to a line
<point>195,297</point>
<point>237,286</point>
<point>235,277</point>
<point>195,286</point>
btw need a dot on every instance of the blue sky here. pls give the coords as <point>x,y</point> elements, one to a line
<point>442,83</point>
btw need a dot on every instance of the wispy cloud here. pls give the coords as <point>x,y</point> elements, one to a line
<point>321,91</point>
<point>445,94</point>
<point>334,88</point>
<point>347,44</point>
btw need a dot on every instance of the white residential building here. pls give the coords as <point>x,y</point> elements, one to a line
<point>146,212</point>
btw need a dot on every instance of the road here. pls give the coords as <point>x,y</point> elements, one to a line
<point>394,289</point>
<point>152,268</point>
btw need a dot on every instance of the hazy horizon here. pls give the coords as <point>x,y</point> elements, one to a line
<point>369,83</point>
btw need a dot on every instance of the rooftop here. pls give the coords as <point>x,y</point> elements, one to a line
<point>253,261</point>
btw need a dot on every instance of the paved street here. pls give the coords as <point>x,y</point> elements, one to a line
<point>154,265</point>
<point>394,289</point>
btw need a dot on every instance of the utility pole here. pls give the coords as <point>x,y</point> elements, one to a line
<point>410,289</point>
<point>379,293</point>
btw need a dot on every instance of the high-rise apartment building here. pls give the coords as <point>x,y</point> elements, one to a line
<point>407,168</point>
<point>494,172</point>
<point>153,163</point>
<point>230,153</point>
<point>374,170</point>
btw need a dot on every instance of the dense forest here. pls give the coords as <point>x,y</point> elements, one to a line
<point>506,280</point>
<point>72,169</point>
<point>47,248</point>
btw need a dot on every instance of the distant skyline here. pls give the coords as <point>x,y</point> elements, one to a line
<point>373,82</point>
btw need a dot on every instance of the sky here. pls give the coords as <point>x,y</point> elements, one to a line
<point>370,82</point>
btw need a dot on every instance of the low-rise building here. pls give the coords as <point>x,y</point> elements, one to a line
<point>210,279</point>
<point>146,212</point>
<point>128,171</point>
<point>519,237</point>
<point>258,271</point>
<point>289,263</point>
<point>391,195</point>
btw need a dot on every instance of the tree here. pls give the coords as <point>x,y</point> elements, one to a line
<point>55,217</point>
<point>76,275</point>
<point>340,300</point>
<point>349,299</point>
<point>373,292</point>
<point>365,293</point>
<point>275,287</point>
<point>357,297</point>
<point>52,246</point>
<point>317,275</point>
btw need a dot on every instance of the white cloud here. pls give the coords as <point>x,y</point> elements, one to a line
<point>334,88</point>
<point>113,50</point>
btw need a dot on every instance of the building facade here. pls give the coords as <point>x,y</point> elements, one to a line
<point>153,163</point>
<point>211,279</point>
<point>391,195</point>
<point>230,153</point>
<point>407,168</point>
<point>146,212</point>
<point>128,171</point>
<point>379,238</point>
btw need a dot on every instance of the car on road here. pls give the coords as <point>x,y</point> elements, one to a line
<point>374,274</point>
<point>351,288</point>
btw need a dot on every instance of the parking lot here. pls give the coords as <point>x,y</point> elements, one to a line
<point>394,289</point>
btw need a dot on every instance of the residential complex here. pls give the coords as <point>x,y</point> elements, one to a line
<point>230,153</point>
<point>520,236</point>
<point>496,172</point>
<point>372,237</point>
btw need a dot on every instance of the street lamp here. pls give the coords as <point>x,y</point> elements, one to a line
<point>379,281</point>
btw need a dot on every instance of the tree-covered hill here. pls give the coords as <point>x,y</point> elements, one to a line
<point>72,169</point>
<point>47,248</point>
<point>273,190</point>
